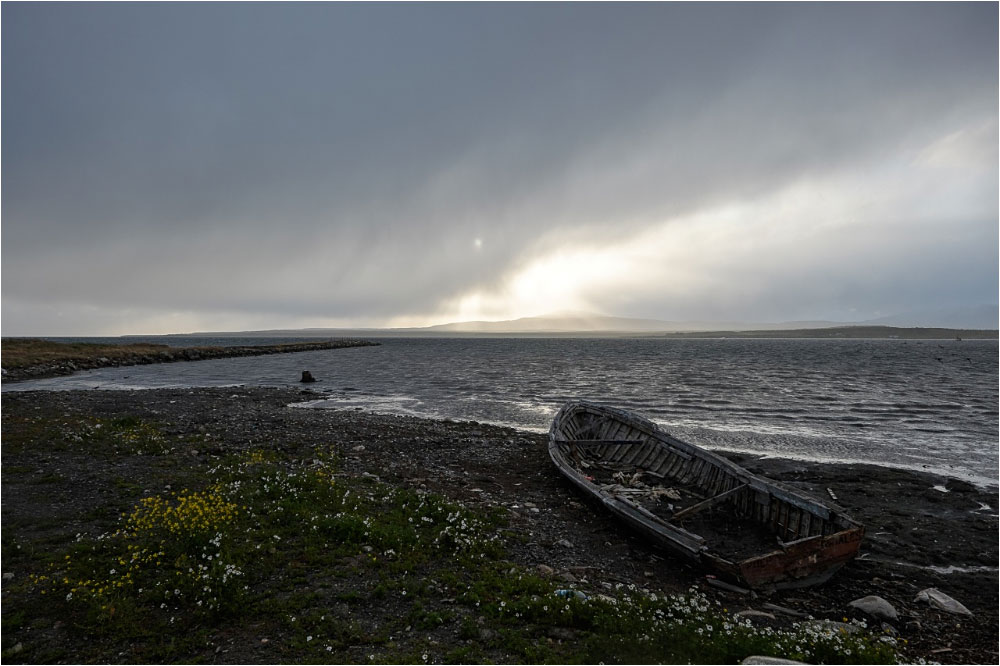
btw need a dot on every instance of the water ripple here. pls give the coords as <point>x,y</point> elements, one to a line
<point>887,402</point>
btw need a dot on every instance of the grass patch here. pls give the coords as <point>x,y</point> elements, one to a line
<point>87,434</point>
<point>22,353</point>
<point>28,352</point>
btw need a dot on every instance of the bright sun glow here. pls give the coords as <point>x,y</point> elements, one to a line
<point>715,253</point>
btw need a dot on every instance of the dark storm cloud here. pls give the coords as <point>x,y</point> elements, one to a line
<point>339,160</point>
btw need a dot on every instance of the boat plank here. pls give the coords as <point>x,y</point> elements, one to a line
<point>706,504</point>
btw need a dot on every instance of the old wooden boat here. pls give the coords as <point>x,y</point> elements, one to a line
<point>743,527</point>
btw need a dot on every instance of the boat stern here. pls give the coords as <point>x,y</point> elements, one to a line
<point>802,563</point>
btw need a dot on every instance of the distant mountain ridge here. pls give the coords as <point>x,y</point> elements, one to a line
<point>974,317</point>
<point>590,323</point>
<point>983,318</point>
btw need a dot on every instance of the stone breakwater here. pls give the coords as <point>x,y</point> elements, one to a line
<point>170,355</point>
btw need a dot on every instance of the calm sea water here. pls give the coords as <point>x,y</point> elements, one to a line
<point>928,405</point>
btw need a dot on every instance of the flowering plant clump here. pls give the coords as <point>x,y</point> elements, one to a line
<point>169,553</point>
<point>183,514</point>
<point>350,515</point>
<point>122,435</point>
<point>438,526</point>
<point>635,625</point>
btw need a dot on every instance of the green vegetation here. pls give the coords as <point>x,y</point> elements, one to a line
<point>285,559</point>
<point>46,356</point>
<point>27,352</point>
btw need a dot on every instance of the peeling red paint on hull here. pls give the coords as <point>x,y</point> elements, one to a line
<point>804,563</point>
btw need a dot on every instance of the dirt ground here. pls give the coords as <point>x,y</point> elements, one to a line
<point>922,531</point>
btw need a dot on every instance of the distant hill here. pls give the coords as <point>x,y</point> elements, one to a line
<point>983,317</point>
<point>591,323</point>
<point>974,317</point>
<point>577,324</point>
<point>856,332</point>
<point>566,323</point>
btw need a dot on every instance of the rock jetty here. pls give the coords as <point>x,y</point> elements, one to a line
<point>165,354</point>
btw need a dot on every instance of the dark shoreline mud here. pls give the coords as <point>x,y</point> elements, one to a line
<point>915,531</point>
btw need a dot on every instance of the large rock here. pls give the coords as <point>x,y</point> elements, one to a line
<point>938,599</point>
<point>307,377</point>
<point>876,607</point>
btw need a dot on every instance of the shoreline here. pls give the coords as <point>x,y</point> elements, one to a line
<point>991,485</point>
<point>910,525</point>
<point>944,477</point>
<point>105,356</point>
<point>311,396</point>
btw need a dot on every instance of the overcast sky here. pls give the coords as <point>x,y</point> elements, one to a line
<point>189,166</point>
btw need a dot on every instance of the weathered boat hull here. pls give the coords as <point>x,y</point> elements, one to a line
<point>797,540</point>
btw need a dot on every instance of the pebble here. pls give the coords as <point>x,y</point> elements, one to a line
<point>564,543</point>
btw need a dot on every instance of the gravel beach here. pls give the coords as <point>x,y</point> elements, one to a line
<point>923,531</point>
